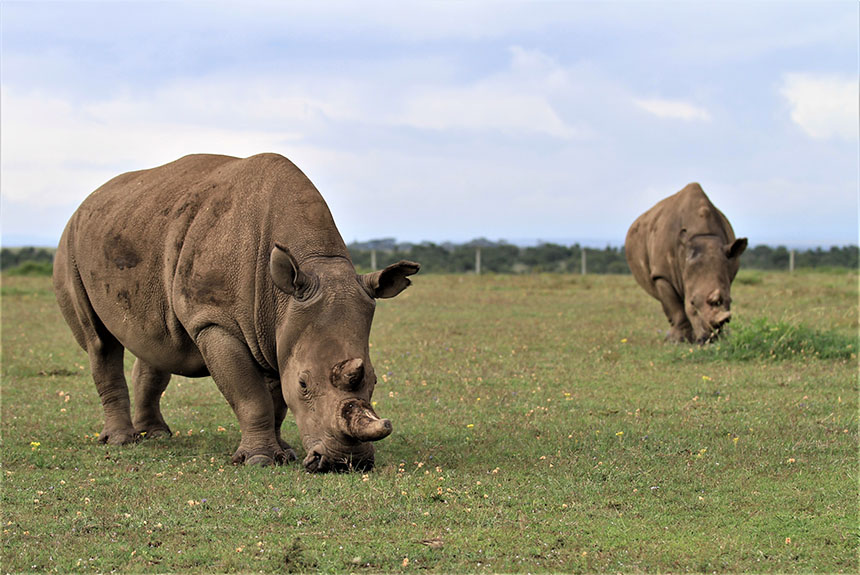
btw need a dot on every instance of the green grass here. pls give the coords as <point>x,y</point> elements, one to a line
<point>541,425</point>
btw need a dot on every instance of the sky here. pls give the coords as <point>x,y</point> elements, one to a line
<point>556,121</point>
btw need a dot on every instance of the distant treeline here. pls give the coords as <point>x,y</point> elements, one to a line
<point>496,257</point>
<point>502,257</point>
<point>768,258</point>
<point>30,261</point>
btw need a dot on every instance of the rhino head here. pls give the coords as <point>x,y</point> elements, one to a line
<point>327,378</point>
<point>710,267</point>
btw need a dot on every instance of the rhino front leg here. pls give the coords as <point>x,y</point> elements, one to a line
<point>243,385</point>
<point>106,354</point>
<point>280,407</point>
<point>149,383</point>
<point>673,307</point>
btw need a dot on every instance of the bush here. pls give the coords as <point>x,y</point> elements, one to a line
<point>31,268</point>
<point>763,339</point>
<point>748,278</point>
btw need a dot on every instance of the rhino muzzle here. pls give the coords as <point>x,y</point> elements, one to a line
<point>320,459</point>
<point>715,329</point>
<point>359,426</point>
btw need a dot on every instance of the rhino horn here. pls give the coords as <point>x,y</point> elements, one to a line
<point>359,421</point>
<point>348,374</point>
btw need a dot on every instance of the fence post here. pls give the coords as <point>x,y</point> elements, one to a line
<point>791,261</point>
<point>373,260</point>
<point>478,261</point>
<point>582,264</point>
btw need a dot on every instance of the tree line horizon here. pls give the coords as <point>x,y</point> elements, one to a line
<point>502,257</point>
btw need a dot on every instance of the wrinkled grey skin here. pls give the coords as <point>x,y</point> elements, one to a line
<point>234,268</point>
<point>684,253</point>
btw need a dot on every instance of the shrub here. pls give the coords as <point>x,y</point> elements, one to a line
<point>763,339</point>
<point>31,268</point>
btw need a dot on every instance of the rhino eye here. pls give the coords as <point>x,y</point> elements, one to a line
<point>303,380</point>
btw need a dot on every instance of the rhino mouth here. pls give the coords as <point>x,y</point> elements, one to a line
<point>716,330</point>
<point>708,338</point>
<point>322,460</point>
<point>349,447</point>
<point>712,335</point>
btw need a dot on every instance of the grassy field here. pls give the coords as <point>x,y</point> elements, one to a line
<point>541,424</point>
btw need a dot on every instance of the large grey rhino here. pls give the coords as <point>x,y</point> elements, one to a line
<point>683,252</point>
<point>234,268</point>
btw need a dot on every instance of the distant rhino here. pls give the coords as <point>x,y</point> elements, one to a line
<point>684,253</point>
<point>234,268</point>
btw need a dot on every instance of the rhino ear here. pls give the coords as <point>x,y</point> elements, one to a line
<point>390,281</point>
<point>286,273</point>
<point>736,248</point>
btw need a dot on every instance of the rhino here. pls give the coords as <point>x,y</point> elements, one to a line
<point>215,265</point>
<point>683,252</point>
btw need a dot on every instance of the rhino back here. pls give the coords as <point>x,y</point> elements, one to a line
<point>165,252</point>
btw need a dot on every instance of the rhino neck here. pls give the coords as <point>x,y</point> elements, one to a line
<point>306,227</point>
<point>312,237</point>
<point>700,218</point>
<point>308,259</point>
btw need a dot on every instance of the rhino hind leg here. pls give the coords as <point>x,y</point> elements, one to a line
<point>106,363</point>
<point>104,350</point>
<point>673,307</point>
<point>243,385</point>
<point>149,383</point>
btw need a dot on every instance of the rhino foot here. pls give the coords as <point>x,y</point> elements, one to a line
<point>263,457</point>
<point>118,436</point>
<point>290,452</point>
<point>676,335</point>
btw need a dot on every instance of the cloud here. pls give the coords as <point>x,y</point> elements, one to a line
<point>482,107</point>
<point>55,152</point>
<point>823,106</point>
<point>437,121</point>
<point>766,209</point>
<point>87,142</point>
<point>516,99</point>
<point>674,110</point>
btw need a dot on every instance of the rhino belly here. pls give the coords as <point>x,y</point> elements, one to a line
<point>141,326</point>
